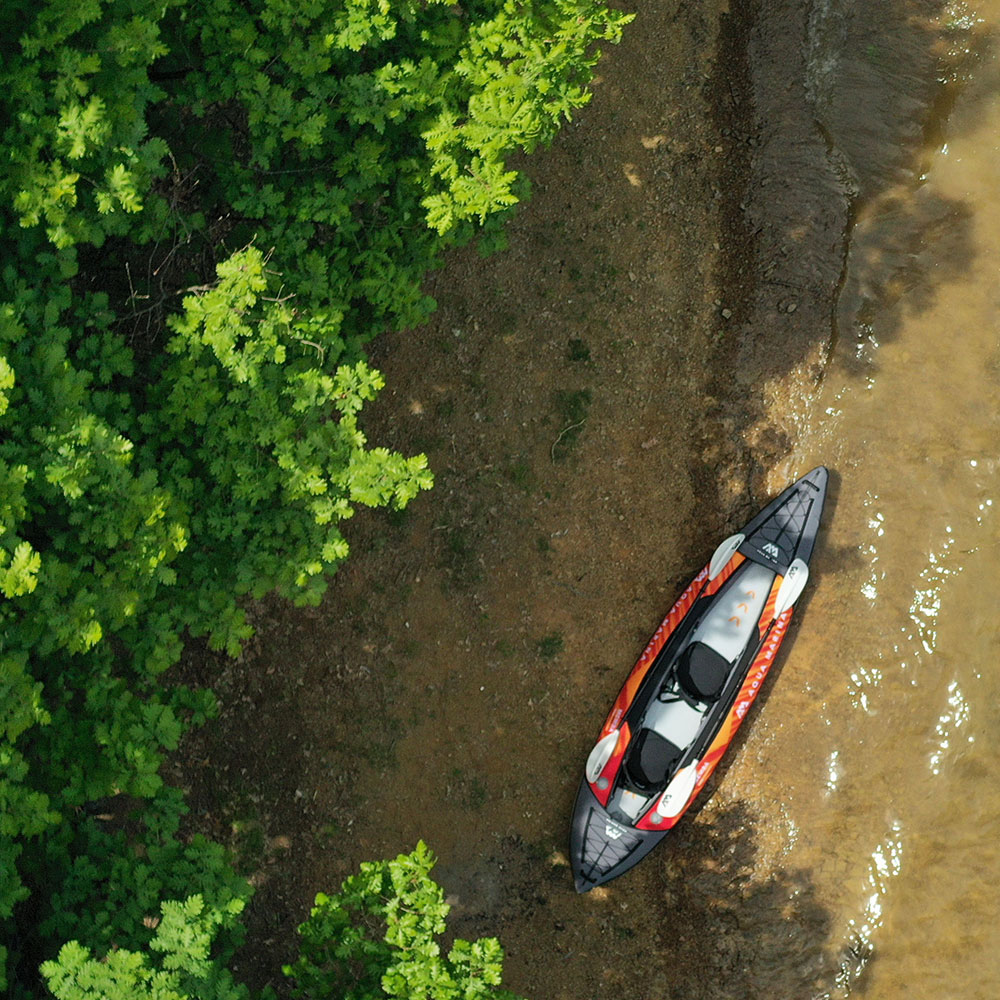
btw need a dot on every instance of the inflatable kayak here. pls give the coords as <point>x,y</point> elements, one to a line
<point>685,698</point>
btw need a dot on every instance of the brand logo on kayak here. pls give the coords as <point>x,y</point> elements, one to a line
<point>612,831</point>
<point>770,550</point>
<point>752,685</point>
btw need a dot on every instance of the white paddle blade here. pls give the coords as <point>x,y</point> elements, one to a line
<point>675,798</point>
<point>723,554</point>
<point>600,755</point>
<point>791,587</point>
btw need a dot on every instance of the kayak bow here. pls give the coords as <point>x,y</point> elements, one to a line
<point>693,685</point>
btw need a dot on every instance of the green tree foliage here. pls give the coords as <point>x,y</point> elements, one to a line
<point>178,965</point>
<point>224,473</point>
<point>180,423</point>
<point>378,938</point>
<point>79,156</point>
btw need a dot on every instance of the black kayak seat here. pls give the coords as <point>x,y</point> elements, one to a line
<point>702,672</point>
<point>650,760</point>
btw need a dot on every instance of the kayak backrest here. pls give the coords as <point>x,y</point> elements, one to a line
<point>650,760</point>
<point>702,672</point>
<point>669,727</point>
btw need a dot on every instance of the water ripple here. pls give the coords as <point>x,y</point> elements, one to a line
<point>885,864</point>
<point>956,716</point>
<point>926,604</point>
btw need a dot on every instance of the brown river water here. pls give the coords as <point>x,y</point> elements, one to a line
<point>884,748</point>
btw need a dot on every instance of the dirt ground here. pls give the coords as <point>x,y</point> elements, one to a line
<point>575,396</point>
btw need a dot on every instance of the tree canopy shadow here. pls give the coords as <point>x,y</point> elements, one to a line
<point>731,931</point>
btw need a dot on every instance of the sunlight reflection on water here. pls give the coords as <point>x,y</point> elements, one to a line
<point>885,864</point>
<point>948,723</point>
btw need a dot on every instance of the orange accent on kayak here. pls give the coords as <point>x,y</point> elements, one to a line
<point>653,647</point>
<point>727,571</point>
<point>744,699</point>
<point>767,616</point>
<point>662,634</point>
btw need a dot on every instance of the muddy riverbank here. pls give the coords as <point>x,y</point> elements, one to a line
<point>599,403</point>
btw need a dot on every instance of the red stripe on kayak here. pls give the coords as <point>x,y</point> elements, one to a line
<point>727,571</point>
<point>768,614</point>
<point>653,647</point>
<point>744,699</point>
<point>611,768</point>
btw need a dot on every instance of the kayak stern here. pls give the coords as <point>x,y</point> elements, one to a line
<point>601,848</point>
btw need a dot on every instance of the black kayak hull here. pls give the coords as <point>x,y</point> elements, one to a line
<point>603,848</point>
